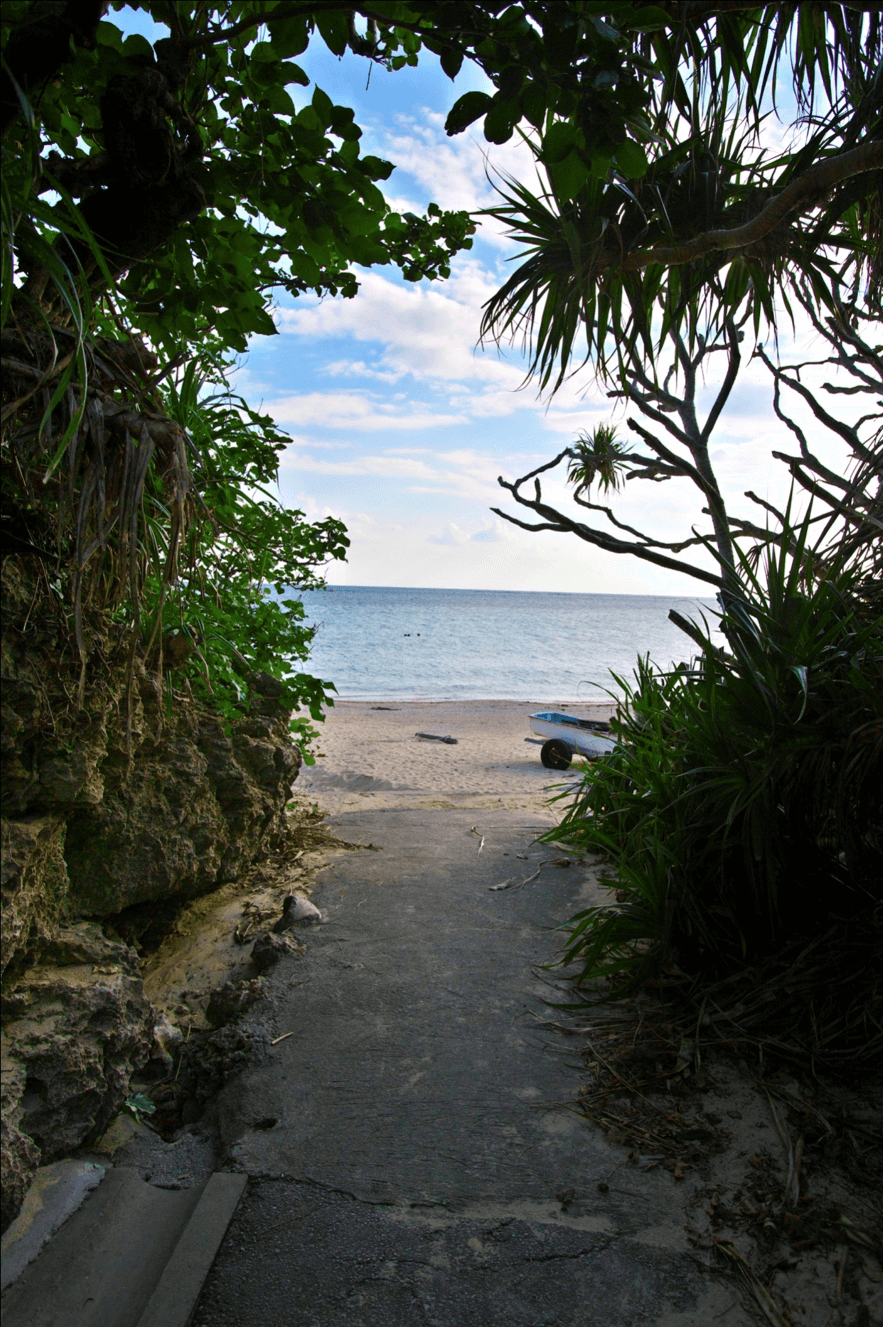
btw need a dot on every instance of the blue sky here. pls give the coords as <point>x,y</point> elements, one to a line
<point>400,424</point>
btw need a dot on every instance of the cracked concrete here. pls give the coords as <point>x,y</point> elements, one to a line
<point>412,1155</point>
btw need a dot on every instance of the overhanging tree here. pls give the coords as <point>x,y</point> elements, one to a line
<point>154,198</point>
<point>702,213</point>
<point>739,811</point>
<point>707,233</point>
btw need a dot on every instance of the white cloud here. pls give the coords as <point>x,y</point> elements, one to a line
<point>356,411</point>
<point>492,534</point>
<point>453,536</point>
<point>455,171</point>
<point>387,467</point>
<point>427,331</point>
<point>298,440</point>
<point>462,474</point>
<point>357,368</point>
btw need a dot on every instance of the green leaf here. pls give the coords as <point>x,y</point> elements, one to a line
<point>451,61</point>
<point>289,36</point>
<point>534,105</point>
<point>631,159</point>
<point>376,168</point>
<point>136,45</point>
<point>465,111</point>
<point>278,101</point>
<point>108,34</point>
<point>294,74</point>
<point>568,176</point>
<point>500,121</point>
<point>603,28</point>
<point>649,18</point>
<point>323,106</point>
<point>559,141</point>
<point>264,52</point>
<point>332,24</point>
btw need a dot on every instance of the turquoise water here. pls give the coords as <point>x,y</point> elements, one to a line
<point>381,643</point>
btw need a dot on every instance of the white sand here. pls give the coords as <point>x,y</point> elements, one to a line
<point>371,757</point>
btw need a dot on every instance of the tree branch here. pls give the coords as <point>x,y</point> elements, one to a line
<point>847,432</point>
<point>557,521</point>
<point>639,534</point>
<point>801,193</point>
<point>734,362</point>
<point>682,465</point>
<point>844,509</point>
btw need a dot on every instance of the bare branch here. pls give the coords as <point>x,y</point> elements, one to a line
<point>767,506</point>
<point>639,534</point>
<point>652,463</point>
<point>560,523</point>
<point>643,404</point>
<point>681,464</point>
<point>849,510</point>
<point>734,362</point>
<point>847,432</point>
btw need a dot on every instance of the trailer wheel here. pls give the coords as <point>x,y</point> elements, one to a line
<point>556,754</point>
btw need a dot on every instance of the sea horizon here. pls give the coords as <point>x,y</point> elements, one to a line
<point>415,643</point>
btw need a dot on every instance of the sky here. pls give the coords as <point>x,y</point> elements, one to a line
<point>400,423</point>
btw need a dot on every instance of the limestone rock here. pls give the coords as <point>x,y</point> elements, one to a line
<point>166,1039</point>
<point>71,1052</point>
<point>19,1155</point>
<point>105,804</point>
<point>297,911</point>
<point>33,880</point>
<point>268,949</point>
<point>231,1000</point>
<point>194,810</point>
<point>207,1062</point>
<point>118,802</point>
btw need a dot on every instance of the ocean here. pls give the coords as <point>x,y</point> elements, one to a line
<point>377,643</point>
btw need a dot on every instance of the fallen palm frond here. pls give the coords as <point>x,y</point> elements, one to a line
<point>752,1283</point>
<point>671,1072</point>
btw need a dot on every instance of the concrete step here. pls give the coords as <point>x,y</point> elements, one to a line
<point>132,1256</point>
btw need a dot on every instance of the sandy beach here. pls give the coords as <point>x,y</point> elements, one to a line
<point>368,756</point>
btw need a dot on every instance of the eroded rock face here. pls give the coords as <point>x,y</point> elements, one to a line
<point>19,1155</point>
<point>231,1000</point>
<point>193,811</point>
<point>119,802</point>
<point>33,880</point>
<point>106,804</point>
<point>78,1024</point>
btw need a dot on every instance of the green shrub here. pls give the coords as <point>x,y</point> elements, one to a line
<point>231,610</point>
<point>743,808</point>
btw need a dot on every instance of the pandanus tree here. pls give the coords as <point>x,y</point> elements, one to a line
<point>741,810</point>
<point>702,237</point>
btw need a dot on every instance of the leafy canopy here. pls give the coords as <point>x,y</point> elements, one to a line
<point>705,208</point>
<point>205,187</point>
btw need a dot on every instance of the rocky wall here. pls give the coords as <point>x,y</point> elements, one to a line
<point>74,1027</point>
<point>116,801</point>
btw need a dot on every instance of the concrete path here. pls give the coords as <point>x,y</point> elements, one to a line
<point>411,1154</point>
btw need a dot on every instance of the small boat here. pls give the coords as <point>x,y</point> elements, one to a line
<point>563,735</point>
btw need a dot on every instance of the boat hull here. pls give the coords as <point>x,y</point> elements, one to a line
<point>588,737</point>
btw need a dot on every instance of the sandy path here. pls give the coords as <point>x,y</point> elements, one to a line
<point>369,756</point>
